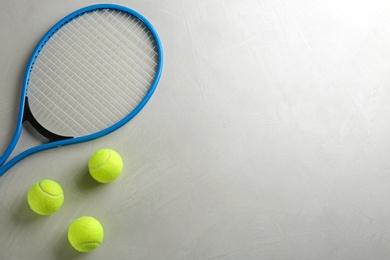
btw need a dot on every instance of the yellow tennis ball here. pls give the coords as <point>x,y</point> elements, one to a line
<point>105,165</point>
<point>85,234</point>
<point>45,197</point>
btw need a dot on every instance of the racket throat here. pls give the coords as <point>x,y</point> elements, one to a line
<point>29,117</point>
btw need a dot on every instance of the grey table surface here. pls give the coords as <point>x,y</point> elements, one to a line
<point>268,137</point>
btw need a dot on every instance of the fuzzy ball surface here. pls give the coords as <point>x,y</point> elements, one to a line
<point>45,197</point>
<point>85,234</point>
<point>105,165</point>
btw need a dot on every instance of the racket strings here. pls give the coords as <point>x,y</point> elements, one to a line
<point>59,101</point>
<point>92,73</point>
<point>138,33</point>
<point>121,74</point>
<point>76,80</point>
<point>97,62</point>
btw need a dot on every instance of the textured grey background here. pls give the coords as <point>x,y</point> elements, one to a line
<point>267,138</point>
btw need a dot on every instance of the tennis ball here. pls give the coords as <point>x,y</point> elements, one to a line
<point>105,165</point>
<point>45,197</point>
<point>85,234</point>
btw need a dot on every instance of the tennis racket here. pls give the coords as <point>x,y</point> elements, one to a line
<point>90,74</point>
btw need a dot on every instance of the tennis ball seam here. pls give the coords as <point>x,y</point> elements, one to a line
<point>86,243</point>
<point>103,163</point>
<point>51,195</point>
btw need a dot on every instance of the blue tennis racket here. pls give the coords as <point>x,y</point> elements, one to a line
<point>90,74</point>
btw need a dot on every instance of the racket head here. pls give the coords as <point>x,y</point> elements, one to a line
<point>73,19</point>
